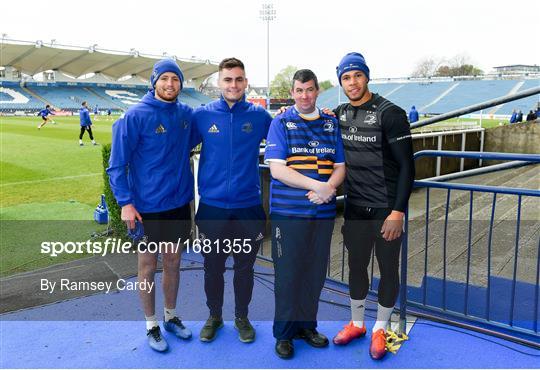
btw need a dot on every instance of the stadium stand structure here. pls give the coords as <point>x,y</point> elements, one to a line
<point>69,75</point>
<point>443,96</point>
<point>14,98</point>
<point>120,79</point>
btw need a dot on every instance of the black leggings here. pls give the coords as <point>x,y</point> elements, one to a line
<point>83,128</point>
<point>361,231</point>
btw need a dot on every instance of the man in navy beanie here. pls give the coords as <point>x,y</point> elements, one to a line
<point>150,176</point>
<point>379,180</point>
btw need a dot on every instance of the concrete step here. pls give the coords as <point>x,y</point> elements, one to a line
<point>503,239</point>
<point>510,177</point>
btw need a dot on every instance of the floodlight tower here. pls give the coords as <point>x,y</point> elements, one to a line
<point>267,14</point>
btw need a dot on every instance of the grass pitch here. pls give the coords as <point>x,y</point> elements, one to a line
<point>49,187</point>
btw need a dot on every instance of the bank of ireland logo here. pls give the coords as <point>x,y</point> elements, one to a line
<point>370,119</point>
<point>278,233</point>
<point>313,143</point>
<point>291,125</point>
<point>247,127</point>
<point>353,130</point>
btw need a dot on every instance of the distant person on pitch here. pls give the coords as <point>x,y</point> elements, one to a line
<point>413,115</point>
<point>86,124</point>
<point>96,113</point>
<point>519,117</point>
<point>513,118</point>
<point>44,113</point>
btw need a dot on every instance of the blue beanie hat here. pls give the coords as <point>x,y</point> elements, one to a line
<point>352,62</point>
<point>165,65</point>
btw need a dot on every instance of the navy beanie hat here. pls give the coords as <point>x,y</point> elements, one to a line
<point>352,62</point>
<point>166,65</point>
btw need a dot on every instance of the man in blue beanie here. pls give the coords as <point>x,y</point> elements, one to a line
<point>379,180</point>
<point>231,130</point>
<point>150,176</point>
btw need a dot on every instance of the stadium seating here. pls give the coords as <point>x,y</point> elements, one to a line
<point>13,98</point>
<point>525,104</point>
<point>428,97</point>
<point>120,97</point>
<point>69,98</point>
<point>472,92</point>
<point>442,97</point>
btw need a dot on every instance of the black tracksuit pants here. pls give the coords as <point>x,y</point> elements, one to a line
<point>300,249</point>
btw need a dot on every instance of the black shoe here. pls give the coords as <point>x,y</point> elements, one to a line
<point>313,337</point>
<point>210,328</point>
<point>285,348</point>
<point>246,332</point>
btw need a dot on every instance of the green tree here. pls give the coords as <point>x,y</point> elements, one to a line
<point>280,86</point>
<point>325,85</point>
<point>461,70</point>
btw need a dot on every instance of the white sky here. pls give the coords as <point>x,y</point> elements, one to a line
<point>392,35</point>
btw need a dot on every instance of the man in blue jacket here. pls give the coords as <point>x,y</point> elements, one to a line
<point>513,117</point>
<point>86,124</point>
<point>231,130</point>
<point>150,176</point>
<point>413,115</point>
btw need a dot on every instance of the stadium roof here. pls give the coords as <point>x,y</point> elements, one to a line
<point>34,57</point>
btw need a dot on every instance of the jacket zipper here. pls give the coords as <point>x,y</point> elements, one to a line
<point>230,159</point>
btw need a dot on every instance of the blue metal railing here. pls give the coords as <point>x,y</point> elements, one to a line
<point>444,310</point>
<point>510,326</point>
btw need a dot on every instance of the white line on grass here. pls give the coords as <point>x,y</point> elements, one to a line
<point>51,179</point>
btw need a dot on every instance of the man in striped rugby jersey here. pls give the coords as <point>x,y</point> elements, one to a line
<point>305,153</point>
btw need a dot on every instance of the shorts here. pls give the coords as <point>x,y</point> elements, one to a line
<point>168,226</point>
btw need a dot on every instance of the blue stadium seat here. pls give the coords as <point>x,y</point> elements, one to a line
<point>15,98</point>
<point>444,96</point>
